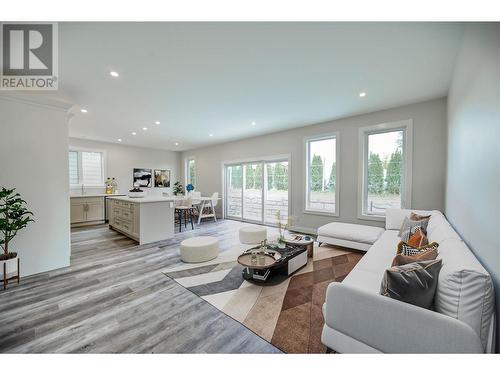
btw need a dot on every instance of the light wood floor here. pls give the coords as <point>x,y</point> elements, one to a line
<point>115,299</point>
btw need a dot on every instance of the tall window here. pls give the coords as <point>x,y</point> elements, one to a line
<point>191,172</point>
<point>386,168</point>
<point>86,167</point>
<point>322,175</point>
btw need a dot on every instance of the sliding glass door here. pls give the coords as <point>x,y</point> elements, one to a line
<point>234,191</point>
<point>252,192</point>
<point>276,192</point>
<point>256,191</point>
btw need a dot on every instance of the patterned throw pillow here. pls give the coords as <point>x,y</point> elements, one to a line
<point>417,238</point>
<point>417,217</point>
<point>407,224</point>
<point>405,249</point>
<point>401,259</point>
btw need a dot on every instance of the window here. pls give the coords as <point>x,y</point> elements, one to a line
<point>191,172</point>
<point>322,175</point>
<point>86,167</point>
<point>256,191</point>
<point>386,169</point>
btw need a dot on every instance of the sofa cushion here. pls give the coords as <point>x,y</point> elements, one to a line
<point>465,290</point>
<point>368,272</point>
<point>394,217</point>
<point>413,283</point>
<point>408,250</point>
<point>409,224</point>
<point>351,232</point>
<point>442,231</point>
<point>401,259</point>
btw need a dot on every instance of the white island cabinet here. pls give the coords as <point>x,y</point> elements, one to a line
<point>145,220</point>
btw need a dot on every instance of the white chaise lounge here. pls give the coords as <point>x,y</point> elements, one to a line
<point>358,319</point>
<point>353,236</point>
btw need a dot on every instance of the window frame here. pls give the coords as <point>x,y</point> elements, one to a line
<point>406,191</point>
<point>186,171</point>
<point>79,150</point>
<point>263,160</point>
<point>306,143</point>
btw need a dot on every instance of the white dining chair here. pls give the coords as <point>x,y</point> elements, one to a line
<point>208,205</point>
<point>184,209</point>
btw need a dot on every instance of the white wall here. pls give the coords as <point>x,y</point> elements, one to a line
<point>473,176</point>
<point>122,159</point>
<point>429,158</point>
<point>34,160</point>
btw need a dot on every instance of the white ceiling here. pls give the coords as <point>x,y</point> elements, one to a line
<point>201,78</point>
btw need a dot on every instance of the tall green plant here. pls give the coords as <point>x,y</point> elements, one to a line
<point>394,173</point>
<point>14,216</point>
<point>375,174</point>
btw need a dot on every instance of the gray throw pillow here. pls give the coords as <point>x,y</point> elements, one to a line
<point>408,223</point>
<point>413,283</point>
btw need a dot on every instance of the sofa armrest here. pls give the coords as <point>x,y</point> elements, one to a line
<point>392,326</point>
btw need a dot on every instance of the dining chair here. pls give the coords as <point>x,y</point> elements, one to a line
<point>213,202</point>
<point>184,209</point>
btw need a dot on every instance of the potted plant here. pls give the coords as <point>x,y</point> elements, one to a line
<point>178,190</point>
<point>14,216</point>
<point>282,229</point>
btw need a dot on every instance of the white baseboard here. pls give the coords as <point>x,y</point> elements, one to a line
<point>303,230</point>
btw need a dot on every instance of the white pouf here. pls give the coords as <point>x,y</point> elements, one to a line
<point>252,234</point>
<point>199,249</point>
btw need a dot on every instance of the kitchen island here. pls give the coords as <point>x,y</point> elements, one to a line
<point>145,220</point>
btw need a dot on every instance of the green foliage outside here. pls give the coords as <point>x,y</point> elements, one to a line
<point>375,174</point>
<point>332,180</point>
<point>316,180</point>
<point>394,173</point>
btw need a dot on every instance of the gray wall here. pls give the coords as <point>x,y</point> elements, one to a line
<point>473,176</point>
<point>429,157</point>
<point>34,160</point>
<point>122,159</point>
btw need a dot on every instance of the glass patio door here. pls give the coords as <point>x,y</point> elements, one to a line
<point>252,192</point>
<point>276,192</point>
<point>256,191</point>
<point>234,191</point>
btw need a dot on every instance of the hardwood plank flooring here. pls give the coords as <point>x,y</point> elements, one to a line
<point>113,298</point>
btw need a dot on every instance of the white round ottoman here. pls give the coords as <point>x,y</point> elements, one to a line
<point>199,249</point>
<point>252,234</point>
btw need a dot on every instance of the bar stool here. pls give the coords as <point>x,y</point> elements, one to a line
<point>185,208</point>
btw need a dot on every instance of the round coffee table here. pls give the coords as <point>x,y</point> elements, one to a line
<point>301,241</point>
<point>258,267</point>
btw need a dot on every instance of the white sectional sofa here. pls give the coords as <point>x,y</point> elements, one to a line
<point>358,319</point>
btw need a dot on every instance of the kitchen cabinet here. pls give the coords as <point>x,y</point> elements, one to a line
<point>86,209</point>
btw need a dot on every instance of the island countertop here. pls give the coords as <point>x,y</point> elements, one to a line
<point>143,200</point>
<point>96,195</point>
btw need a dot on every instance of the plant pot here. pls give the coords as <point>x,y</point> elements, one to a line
<point>9,270</point>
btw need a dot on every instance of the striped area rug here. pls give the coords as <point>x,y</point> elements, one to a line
<point>287,314</point>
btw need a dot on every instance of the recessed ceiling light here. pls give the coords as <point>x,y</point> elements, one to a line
<point>210,135</point>
<point>113,74</point>
<point>362,94</point>
<point>119,139</point>
<point>144,128</point>
<point>83,110</point>
<point>157,122</point>
<point>177,143</point>
<point>134,133</point>
<point>253,123</point>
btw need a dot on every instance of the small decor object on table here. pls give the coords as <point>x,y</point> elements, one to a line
<point>143,176</point>
<point>14,216</point>
<point>189,188</point>
<point>136,192</point>
<point>162,178</point>
<point>178,189</point>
